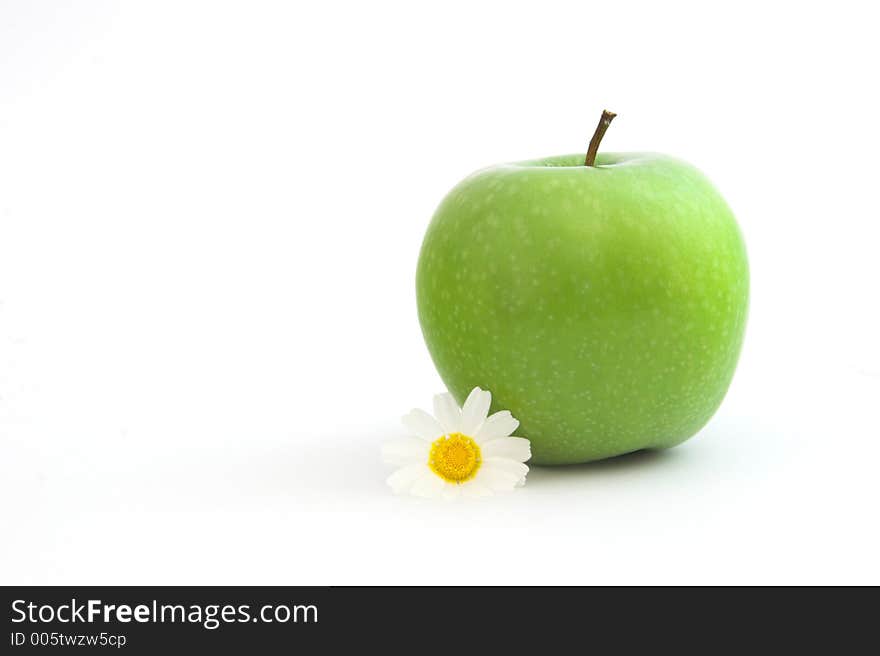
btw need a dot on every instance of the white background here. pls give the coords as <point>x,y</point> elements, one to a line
<point>210,216</point>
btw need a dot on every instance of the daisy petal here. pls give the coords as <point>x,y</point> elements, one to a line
<point>474,411</point>
<point>405,451</point>
<point>451,491</point>
<point>447,413</point>
<point>515,448</point>
<point>511,466</point>
<point>497,479</point>
<point>403,479</point>
<point>429,486</point>
<point>500,424</point>
<point>423,425</point>
<point>475,490</point>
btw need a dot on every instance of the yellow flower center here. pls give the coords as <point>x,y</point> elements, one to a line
<point>455,458</point>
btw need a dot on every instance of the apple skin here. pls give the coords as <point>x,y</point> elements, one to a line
<point>604,306</point>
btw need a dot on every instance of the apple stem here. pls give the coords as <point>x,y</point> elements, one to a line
<point>592,151</point>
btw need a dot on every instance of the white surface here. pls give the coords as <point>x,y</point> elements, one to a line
<point>209,221</point>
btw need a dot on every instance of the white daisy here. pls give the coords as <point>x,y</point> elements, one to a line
<point>460,452</point>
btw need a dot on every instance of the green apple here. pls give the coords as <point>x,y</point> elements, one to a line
<point>604,305</point>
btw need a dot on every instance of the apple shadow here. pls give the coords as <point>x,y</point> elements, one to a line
<point>618,465</point>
